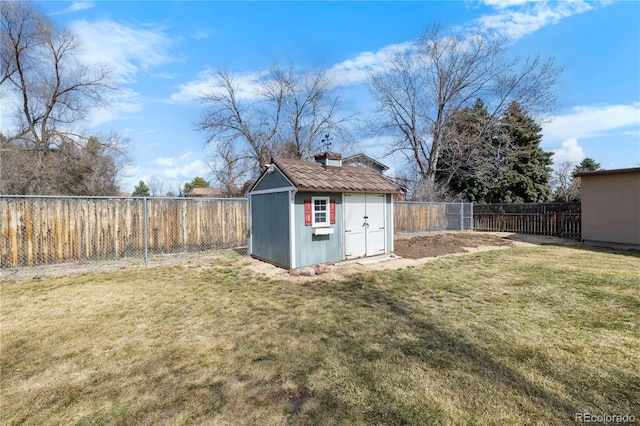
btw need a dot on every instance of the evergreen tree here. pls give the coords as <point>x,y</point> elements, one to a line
<point>197,182</point>
<point>141,190</point>
<point>466,164</point>
<point>587,165</point>
<point>524,169</point>
<point>495,161</point>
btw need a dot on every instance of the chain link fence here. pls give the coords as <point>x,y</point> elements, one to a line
<point>41,230</point>
<point>432,217</point>
<point>38,230</point>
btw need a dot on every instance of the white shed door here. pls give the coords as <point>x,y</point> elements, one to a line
<point>364,216</point>
<point>375,224</point>
<point>354,225</point>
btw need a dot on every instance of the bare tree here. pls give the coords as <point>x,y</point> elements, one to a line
<point>156,187</point>
<point>567,184</point>
<point>283,116</point>
<point>231,170</point>
<point>88,169</point>
<point>310,111</point>
<point>52,88</point>
<point>422,88</point>
<point>562,180</point>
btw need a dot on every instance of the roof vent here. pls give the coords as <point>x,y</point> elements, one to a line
<point>329,159</point>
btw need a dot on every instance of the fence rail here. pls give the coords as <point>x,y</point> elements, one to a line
<point>557,219</point>
<point>37,230</point>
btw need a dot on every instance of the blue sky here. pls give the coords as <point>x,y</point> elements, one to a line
<point>164,53</point>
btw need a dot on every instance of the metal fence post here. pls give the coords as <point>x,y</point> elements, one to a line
<point>146,233</point>
<point>472,224</point>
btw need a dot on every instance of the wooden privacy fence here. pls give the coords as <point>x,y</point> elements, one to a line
<point>40,230</point>
<point>36,230</point>
<point>431,217</point>
<point>558,219</point>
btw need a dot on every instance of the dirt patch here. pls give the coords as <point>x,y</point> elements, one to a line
<point>433,245</point>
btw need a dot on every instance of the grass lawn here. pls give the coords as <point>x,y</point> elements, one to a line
<point>517,336</point>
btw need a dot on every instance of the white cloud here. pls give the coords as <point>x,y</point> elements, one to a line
<point>166,161</point>
<point>357,70</point>
<point>202,34</point>
<point>188,171</point>
<point>351,71</point>
<point>515,18</point>
<point>375,144</point>
<point>121,103</point>
<point>184,167</point>
<point>128,50</point>
<point>247,85</point>
<point>501,4</point>
<point>172,171</point>
<point>77,6</point>
<point>593,121</point>
<point>570,150</point>
<point>129,178</point>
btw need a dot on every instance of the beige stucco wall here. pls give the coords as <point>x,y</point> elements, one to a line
<point>611,208</point>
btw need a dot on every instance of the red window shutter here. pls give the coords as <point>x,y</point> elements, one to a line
<point>307,212</point>
<point>332,211</point>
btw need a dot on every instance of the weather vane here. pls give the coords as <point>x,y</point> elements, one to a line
<point>327,142</point>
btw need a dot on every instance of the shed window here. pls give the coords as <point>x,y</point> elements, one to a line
<point>320,211</point>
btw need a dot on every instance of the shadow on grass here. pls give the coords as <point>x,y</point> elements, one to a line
<point>368,350</point>
<point>433,347</point>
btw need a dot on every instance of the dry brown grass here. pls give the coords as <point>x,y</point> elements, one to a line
<point>525,335</point>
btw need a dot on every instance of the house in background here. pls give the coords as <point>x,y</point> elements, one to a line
<point>365,161</point>
<point>611,207</point>
<point>362,160</point>
<point>221,192</point>
<point>207,192</point>
<point>304,213</point>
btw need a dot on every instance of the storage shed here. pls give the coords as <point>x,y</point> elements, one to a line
<point>611,207</point>
<point>304,213</point>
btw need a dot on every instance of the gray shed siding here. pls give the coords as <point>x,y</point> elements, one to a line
<point>314,249</point>
<point>270,227</point>
<point>272,181</point>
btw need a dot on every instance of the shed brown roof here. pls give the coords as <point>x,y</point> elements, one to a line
<point>312,176</point>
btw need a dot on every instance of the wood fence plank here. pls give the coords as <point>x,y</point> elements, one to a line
<point>541,219</point>
<point>13,229</point>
